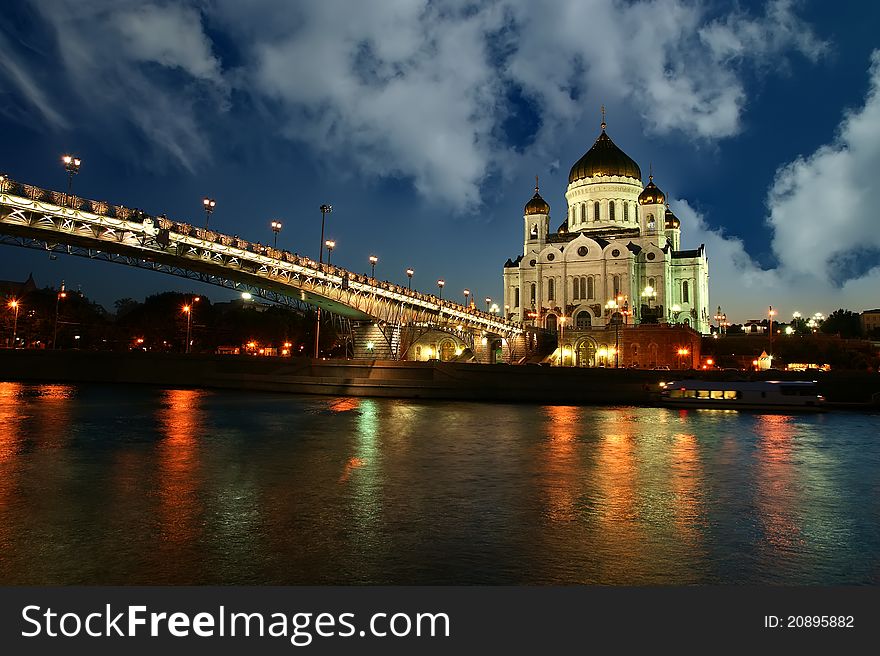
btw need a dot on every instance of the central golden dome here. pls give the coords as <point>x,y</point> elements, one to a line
<point>604,158</point>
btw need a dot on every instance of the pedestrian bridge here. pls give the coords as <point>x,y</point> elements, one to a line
<point>56,222</point>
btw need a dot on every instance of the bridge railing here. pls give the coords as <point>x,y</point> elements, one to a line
<point>96,211</point>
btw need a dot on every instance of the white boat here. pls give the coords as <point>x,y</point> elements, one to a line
<point>740,395</point>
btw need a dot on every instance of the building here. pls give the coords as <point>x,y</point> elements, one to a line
<point>616,261</point>
<point>870,320</point>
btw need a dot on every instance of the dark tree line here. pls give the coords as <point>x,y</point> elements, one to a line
<point>159,323</point>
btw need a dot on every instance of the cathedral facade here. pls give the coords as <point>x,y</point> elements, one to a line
<point>615,261</point>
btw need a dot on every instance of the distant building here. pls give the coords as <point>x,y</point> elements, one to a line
<point>13,289</point>
<point>870,320</point>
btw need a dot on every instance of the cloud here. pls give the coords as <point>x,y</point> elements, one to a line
<point>141,65</point>
<point>823,225</point>
<point>412,89</point>
<point>666,57</point>
<point>18,78</point>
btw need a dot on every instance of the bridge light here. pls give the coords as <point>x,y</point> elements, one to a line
<point>440,284</point>
<point>409,274</point>
<point>246,296</point>
<point>373,260</point>
<point>209,204</point>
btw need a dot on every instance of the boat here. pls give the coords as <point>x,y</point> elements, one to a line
<point>771,395</point>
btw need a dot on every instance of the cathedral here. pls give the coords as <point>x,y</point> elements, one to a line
<point>616,262</point>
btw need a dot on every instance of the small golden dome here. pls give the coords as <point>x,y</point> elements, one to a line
<point>652,195</point>
<point>672,221</point>
<point>536,205</point>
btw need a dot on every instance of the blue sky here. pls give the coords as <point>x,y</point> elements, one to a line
<point>424,124</point>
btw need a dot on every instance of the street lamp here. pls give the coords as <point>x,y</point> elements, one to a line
<point>14,305</point>
<point>467,293</point>
<point>373,260</point>
<point>440,284</point>
<point>209,204</point>
<point>770,313</point>
<point>613,306</point>
<point>681,353</point>
<point>409,274</point>
<point>562,341</point>
<point>61,295</point>
<point>71,165</point>
<point>276,228</point>
<point>188,310</point>
<point>488,303</point>
<point>330,244</point>
<point>325,210</point>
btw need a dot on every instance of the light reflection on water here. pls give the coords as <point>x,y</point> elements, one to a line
<point>138,485</point>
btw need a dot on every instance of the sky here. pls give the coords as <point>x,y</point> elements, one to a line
<point>424,123</point>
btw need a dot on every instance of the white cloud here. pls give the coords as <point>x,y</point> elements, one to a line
<point>823,221</point>
<point>18,78</point>
<point>141,64</point>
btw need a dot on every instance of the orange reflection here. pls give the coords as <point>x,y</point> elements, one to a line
<point>351,465</point>
<point>560,477</point>
<point>617,502</point>
<point>777,482</point>
<point>181,421</point>
<point>346,404</point>
<point>11,414</point>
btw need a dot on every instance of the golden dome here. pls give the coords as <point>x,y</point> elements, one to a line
<point>604,158</point>
<point>537,205</point>
<point>672,221</point>
<point>652,194</point>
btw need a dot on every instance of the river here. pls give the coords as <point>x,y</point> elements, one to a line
<point>143,485</point>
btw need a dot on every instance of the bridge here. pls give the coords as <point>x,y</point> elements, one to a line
<point>385,320</point>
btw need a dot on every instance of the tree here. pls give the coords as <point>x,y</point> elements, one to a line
<point>842,322</point>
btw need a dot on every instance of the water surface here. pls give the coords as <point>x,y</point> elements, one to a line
<point>127,484</point>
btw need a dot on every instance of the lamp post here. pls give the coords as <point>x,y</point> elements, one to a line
<point>612,305</point>
<point>719,317</point>
<point>373,260</point>
<point>325,210</point>
<point>14,305</point>
<point>467,293</point>
<point>71,165</point>
<point>488,303</point>
<point>409,274</point>
<point>562,341</point>
<point>681,353</point>
<point>440,284</point>
<point>209,204</point>
<point>770,313</point>
<point>61,294</point>
<point>330,244</point>
<point>276,228</point>
<point>188,311</point>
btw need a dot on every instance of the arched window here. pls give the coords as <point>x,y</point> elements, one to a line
<point>685,292</point>
<point>591,292</point>
<point>650,222</point>
<point>516,297</point>
<point>626,212</point>
<point>550,289</point>
<point>611,211</point>
<point>582,320</point>
<point>595,211</point>
<point>533,233</point>
<point>533,293</point>
<point>551,323</point>
<point>583,212</point>
<point>616,285</point>
<point>576,291</point>
<point>652,283</point>
<point>584,288</point>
